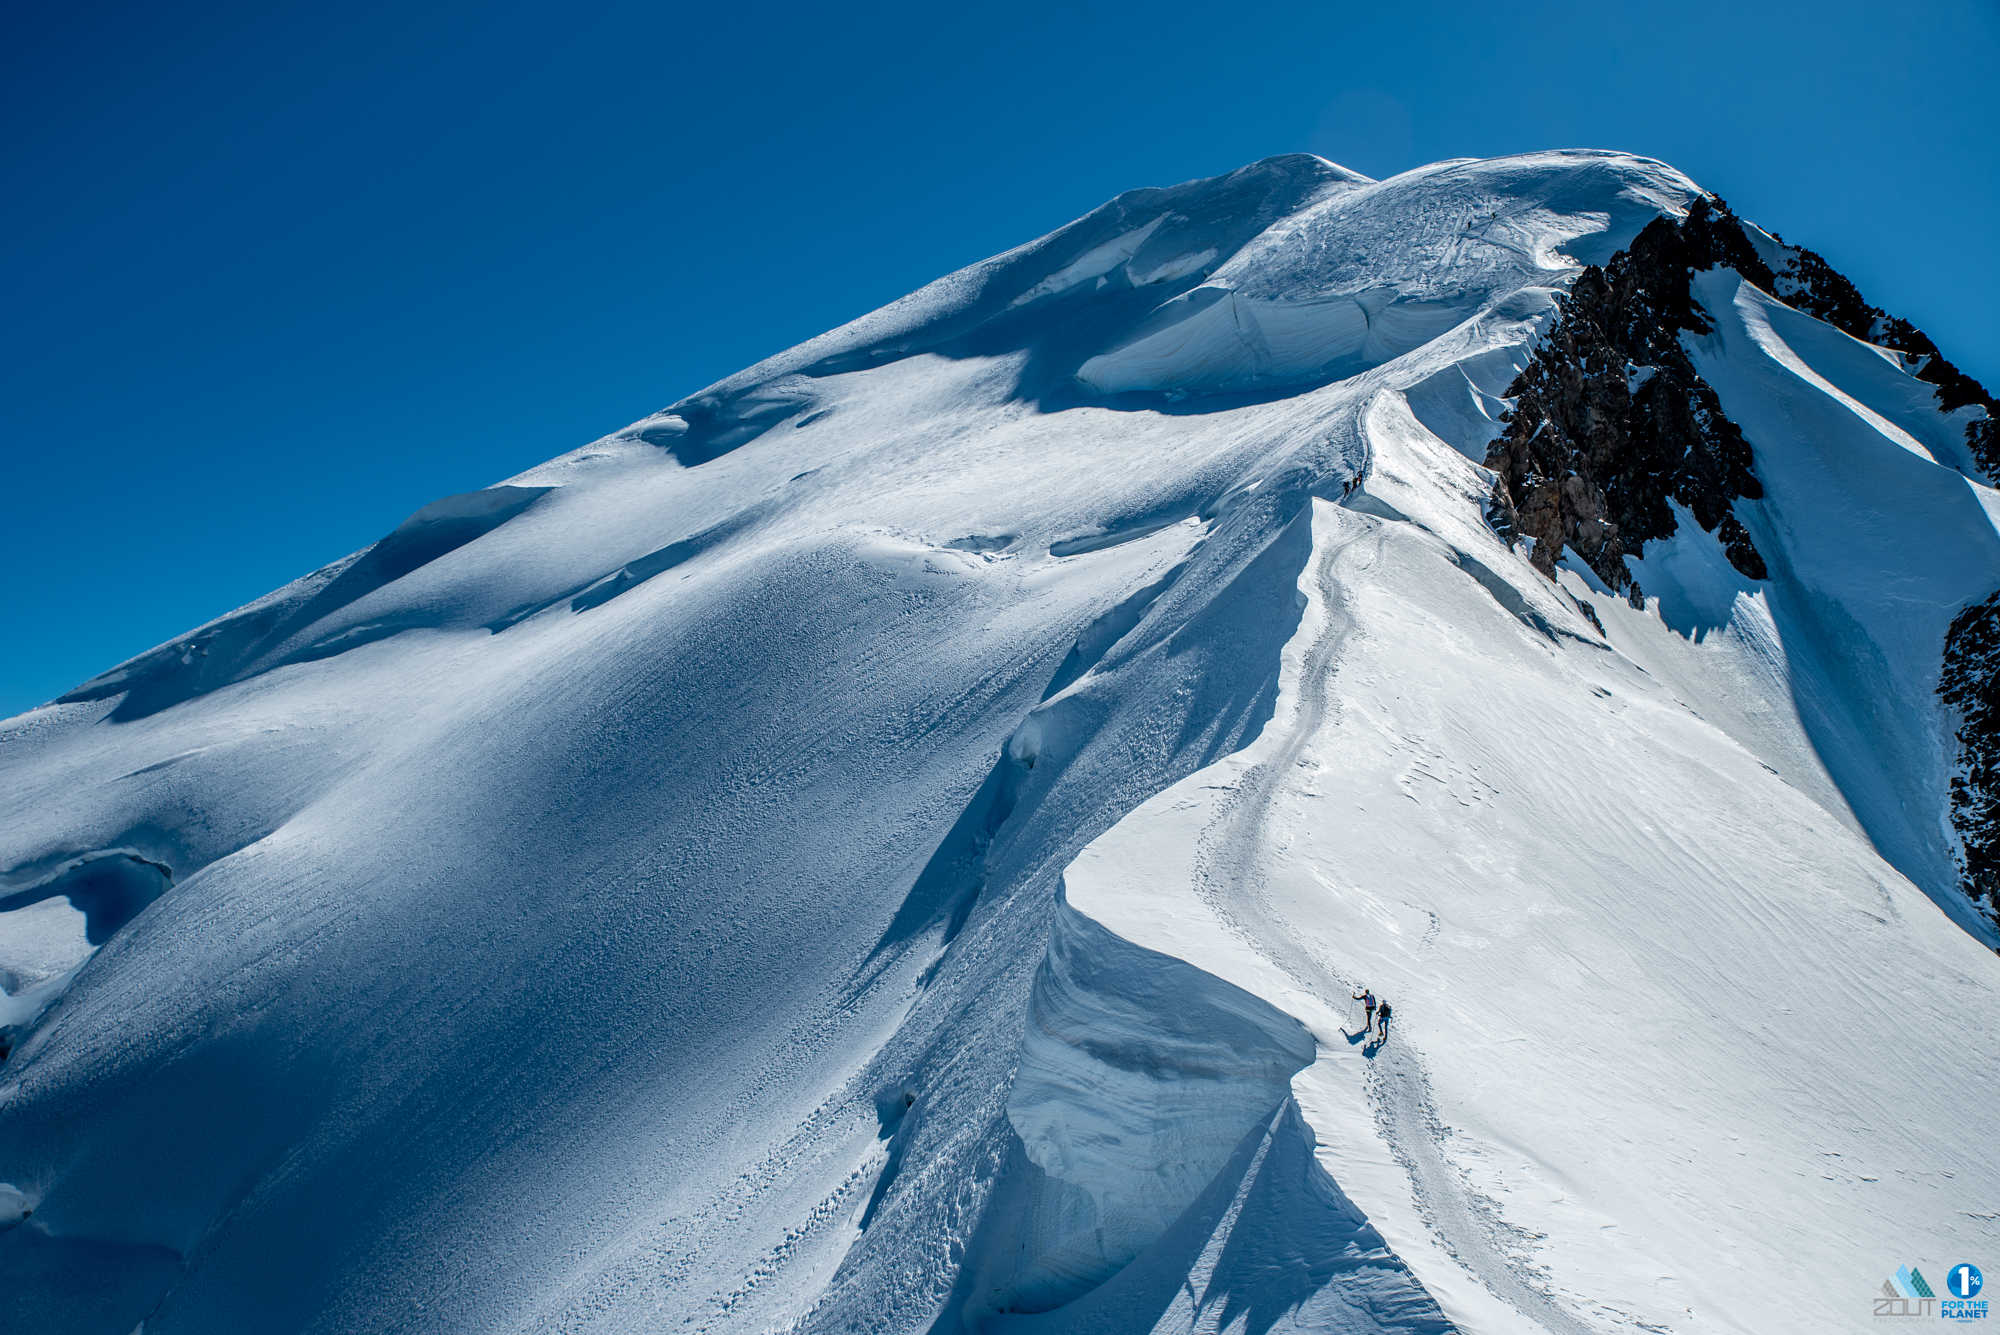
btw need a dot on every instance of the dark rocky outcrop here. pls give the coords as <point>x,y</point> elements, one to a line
<point>1970,683</point>
<point>1611,419</point>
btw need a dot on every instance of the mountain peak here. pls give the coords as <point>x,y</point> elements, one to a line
<point>896,840</point>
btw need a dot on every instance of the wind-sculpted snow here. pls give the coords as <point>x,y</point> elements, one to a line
<point>630,896</point>
<point>1059,300</point>
<point>1367,274</point>
<point>1139,1076</point>
<point>1970,425</point>
<point>297,623</point>
<point>58,918</point>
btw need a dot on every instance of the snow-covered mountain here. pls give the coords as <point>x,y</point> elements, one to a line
<point>888,843</point>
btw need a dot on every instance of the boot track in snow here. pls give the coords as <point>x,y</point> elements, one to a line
<point>1231,879</point>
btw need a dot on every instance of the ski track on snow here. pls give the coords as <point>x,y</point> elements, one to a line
<point>1230,877</point>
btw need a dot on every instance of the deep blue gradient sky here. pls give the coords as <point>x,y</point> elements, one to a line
<point>278,274</point>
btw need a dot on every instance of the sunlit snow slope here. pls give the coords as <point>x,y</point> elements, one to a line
<point>886,843</point>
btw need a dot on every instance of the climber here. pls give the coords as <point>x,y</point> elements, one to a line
<point>1382,1015</point>
<point>1367,1000</point>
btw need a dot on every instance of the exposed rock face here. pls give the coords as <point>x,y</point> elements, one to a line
<point>1970,682</point>
<point>1612,420</point>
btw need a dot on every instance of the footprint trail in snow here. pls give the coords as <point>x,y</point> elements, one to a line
<point>1231,878</point>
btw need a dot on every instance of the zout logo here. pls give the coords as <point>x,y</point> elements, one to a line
<point>1907,1295</point>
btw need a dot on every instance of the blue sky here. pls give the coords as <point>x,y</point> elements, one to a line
<point>278,274</point>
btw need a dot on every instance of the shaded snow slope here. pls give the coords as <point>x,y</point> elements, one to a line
<point>629,897</point>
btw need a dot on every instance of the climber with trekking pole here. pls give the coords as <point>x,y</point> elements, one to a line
<point>1367,1000</point>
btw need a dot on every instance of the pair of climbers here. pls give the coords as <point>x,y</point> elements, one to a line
<point>1376,1012</point>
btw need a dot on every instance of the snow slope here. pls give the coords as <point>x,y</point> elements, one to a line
<point>634,896</point>
<point>1664,1054</point>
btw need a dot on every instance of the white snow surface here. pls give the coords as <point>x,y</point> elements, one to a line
<point>887,842</point>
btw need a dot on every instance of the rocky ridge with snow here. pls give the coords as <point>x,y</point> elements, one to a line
<point>889,841</point>
<point>1612,419</point>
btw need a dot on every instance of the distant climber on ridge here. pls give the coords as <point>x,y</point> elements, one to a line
<point>1382,1015</point>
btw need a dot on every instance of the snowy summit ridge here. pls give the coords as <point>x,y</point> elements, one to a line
<point>889,841</point>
